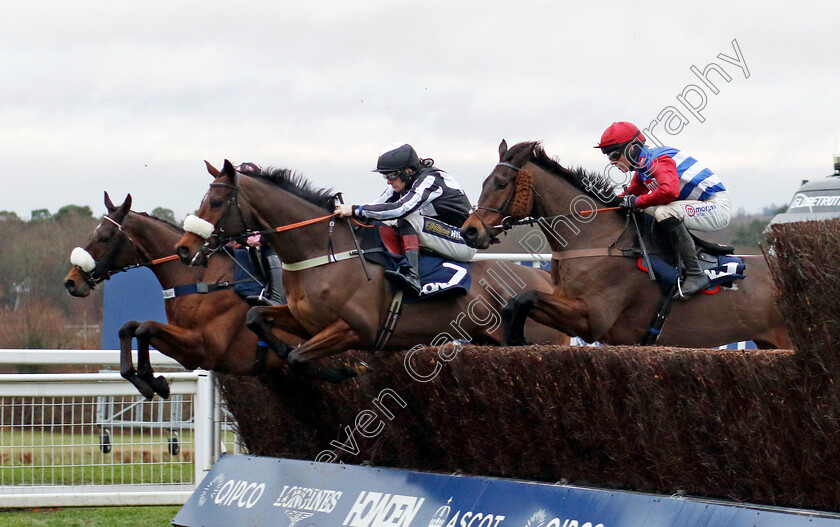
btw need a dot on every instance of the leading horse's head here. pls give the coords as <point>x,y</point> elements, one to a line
<point>220,215</point>
<point>507,195</point>
<point>107,250</point>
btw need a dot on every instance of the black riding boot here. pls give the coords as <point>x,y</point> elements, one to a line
<point>695,279</point>
<point>408,276</point>
<point>271,269</point>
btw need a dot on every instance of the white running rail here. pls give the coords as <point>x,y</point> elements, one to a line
<point>85,439</point>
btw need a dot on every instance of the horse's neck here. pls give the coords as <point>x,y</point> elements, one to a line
<point>565,228</point>
<point>274,207</point>
<point>154,240</point>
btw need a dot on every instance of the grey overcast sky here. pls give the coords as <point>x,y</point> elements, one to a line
<point>131,97</point>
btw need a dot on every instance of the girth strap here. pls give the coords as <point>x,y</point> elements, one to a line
<point>260,365</point>
<point>390,323</point>
<point>658,321</point>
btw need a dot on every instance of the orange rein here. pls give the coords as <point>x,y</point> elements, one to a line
<point>164,259</point>
<point>304,223</point>
<point>278,229</point>
<point>598,210</point>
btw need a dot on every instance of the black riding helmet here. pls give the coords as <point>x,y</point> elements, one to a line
<point>397,158</point>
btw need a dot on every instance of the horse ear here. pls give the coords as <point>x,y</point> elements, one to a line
<point>108,204</point>
<point>213,171</point>
<point>228,169</point>
<point>123,209</point>
<point>502,149</point>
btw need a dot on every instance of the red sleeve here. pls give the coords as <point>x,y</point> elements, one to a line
<point>667,180</point>
<point>636,187</point>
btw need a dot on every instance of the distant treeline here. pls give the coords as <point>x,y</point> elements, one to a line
<point>35,309</point>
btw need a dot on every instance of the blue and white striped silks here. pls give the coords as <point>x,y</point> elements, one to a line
<point>697,181</point>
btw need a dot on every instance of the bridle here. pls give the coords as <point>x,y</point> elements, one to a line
<point>509,219</point>
<point>220,240</point>
<point>103,270</point>
<point>217,239</point>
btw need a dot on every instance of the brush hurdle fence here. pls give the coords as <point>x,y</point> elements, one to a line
<point>90,439</point>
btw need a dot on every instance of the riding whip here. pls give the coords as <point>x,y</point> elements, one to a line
<point>642,243</point>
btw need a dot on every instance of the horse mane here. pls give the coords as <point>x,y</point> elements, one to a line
<point>298,185</point>
<point>597,186</point>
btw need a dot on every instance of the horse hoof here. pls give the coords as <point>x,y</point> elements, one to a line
<point>145,390</point>
<point>161,387</point>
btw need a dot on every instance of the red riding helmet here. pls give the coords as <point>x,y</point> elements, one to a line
<point>620,133</point>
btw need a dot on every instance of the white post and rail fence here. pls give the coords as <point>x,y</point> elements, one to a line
<point>90,439</point>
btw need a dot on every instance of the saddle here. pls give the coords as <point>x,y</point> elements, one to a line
<point>716,260</point>
<point>382,245</point>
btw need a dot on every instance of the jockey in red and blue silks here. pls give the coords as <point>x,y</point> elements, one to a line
<point>676,189</point>
<point>676,185</point>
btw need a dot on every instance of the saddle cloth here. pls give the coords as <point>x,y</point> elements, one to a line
<point>382,246</point>
<point>717,261</point>
<point>721,269</point>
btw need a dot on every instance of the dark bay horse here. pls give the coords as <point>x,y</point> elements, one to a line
<point>204,331</point>
<point>597,295</point>
<point>334,302</point>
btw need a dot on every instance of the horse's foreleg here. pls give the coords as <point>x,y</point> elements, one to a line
<point>266,322</point>
<point>127,370</point>
<point>159,384</point>
<point>514,314</point>
<point>568,315</point>
<point>334,339</point>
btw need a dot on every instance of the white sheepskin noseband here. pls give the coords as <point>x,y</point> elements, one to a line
<point>197,226</point>
<point>81,258</point>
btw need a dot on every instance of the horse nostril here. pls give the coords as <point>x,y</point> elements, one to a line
<point>469,233</point>
<point>183,253</point>
<point>69,285</point>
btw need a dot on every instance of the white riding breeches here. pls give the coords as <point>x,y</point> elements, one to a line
<point>440,237</point>
<point>711,215</point>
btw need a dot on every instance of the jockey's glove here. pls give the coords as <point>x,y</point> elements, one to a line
<point>628,201</point>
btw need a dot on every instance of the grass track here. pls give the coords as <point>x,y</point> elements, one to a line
<point>90,517</point>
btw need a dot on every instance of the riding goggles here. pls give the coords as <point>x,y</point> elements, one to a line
<point>391,176</point>
<point>615,153</point>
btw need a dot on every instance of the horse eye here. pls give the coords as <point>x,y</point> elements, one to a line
<point>216,203</point>
<point>502,184</point>
<point>102,239</point>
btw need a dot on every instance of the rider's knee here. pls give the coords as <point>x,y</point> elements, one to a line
<point>666,212</point>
